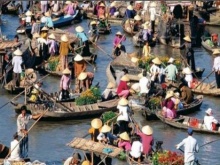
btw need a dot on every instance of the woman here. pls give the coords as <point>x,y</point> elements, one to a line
<point>137,23</point>
<point>101,10</point>
<point>188,76</point>
<point>69,8</point>
<point>95,129</point>
<point>177,102</point>
<point>118,47</point>
<point>130,12</point>
<point>53,47</point>
<point>64,50</point>
<point>109,93</point>
<point>124,141</point>
<point>123,118</point>
<point>86,79</point>
<point>65,83</point>
<point>49,21</point>
<point>123,89</point>
<point>83,41</point>
<point>169,106</point>
<point>136,149</point>
<point>146,49</point>
<point>105,136</point>
<point>209,121</point>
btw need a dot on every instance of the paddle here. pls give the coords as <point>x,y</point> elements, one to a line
<point>204,79</point>
<point>118,44</point>
<point>21,93</point>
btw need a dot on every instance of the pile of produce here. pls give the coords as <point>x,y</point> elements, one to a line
<point>154,103</point>
<point>53,63</point>
<point>107,116</point>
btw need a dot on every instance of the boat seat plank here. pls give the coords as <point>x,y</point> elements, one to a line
<point>186,121</point>
<point>77,109</point>
<point>108,104</point>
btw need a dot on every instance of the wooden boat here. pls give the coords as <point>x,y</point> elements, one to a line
<point>207,46</point>
<point>11,9</point>
<point>8,44</point>
<point>4,150</point>
<point>184,122</point>
<point>140,43</point>
<point>110,19</point>
<point>173,42</point>
<point>58,22</point>
<point>207,89</point>
<point>127,26</point>
<point>192,107</point>
<point>68,110</point>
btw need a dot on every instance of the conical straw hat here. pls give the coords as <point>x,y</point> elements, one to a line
<point>171,60</point>
<point>52,36</point>
<point>123,101</point>
<point>78,58</point>
<point>44,29</point>
<point>66,71</point>
<point>125,78</point>
<point>124,136</point>
<point>28,13</point>
<point>17,52</point>
<point>47,14</point>
<point>29,71</point>
<point>68,2</point>
<point>96,123</point>
<point>169,94</point>
<point>137,18</point>
<point>187,70</point>
<point>147,130</point>
<point>105,129</point>
<point>146,26</point>
<point>118,33</point>
<point>86,162</point>
<point>156,61</point>
<point>187,38</point>
<point>130,7</point>
<point>101,5</point>
<point>36,35</point>
<point>216,52</point>
<point>209,111</point>
<point>113,4</point>
<point>64,38</point>
<point>93,23</point>
<point>79,29</point>
<point>82,76</point>
<point>110,85</point>
<point>134,59</point>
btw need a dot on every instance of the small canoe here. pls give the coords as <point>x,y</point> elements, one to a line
<point>9,44</point>
<point>192,107</point>
<point>173,42</point>
<point>184,122</point>
<point>140,43</point>
<point>133,162</point>
<point>4,150</point>
<point>110,19</point>
<point>207,46</point>
<point>127,26</point>
<point>8,8</point>
<point>58,22</point>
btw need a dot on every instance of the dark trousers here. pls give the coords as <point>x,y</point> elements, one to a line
<point>123,126</point>
<point>65,94</point>
<point>217,78</point>
<point>24,147</point>
<point>153,26</point>
<point>118,50</point>
<point>16,79</point>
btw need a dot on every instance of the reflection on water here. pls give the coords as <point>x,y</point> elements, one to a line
<point>48,139</point>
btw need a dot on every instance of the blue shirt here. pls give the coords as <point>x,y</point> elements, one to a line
<point>82,36</point>
<point>49,22</point>
<point>130,13</point>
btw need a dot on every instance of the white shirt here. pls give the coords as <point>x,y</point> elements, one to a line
<point>216,65</point>
<point>28,19</point>
<point>144,85</point>
<point>190,147</point>
<point>124,113</point>
<point>136,149</point>
<point>43,2</point>
<point>43,19</point>
<point>55,6</point>
<point>189,79</point>
<point>208,120</point>
<point>153,70</point>
<point>101,136</point>
<point>16,62</point>
<point>15,154</point>
<point>152,11</point>
<point>22,123</point>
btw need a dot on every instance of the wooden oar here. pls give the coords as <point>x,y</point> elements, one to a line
<point>27,132</point>
<point>204,79</point>
<point>102,50</point>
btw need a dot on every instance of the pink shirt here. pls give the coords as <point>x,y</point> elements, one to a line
<point>69,9</point>
<point>125,144</point>
<point>53,46</point>
<point>65,82</point>
<point>118,40</point>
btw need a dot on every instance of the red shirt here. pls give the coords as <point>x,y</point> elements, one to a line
<point>122,86</point>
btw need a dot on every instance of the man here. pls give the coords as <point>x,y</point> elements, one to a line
<point>152,11</point>
<point>144,83</point>
<point>171,71</point>
<point>17,62</point>
<point>186,94</point>
<point>15,149</point>
<point>22,130</point>
<point>191,146</point>
<point>216,67</point>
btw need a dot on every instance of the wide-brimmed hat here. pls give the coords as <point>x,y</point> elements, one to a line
<point>110,85</point>
<point>82,76</point>
<point>177,94</point>
<point>79,29</point>
<point>66,71</point>
<point>216,52</point>
<point>64,38</point>
<point>18,52</point>
<point>47,14</point>
<point>52,36</point>
<point>44,29</point>
<point>156,61</point>
<point>124,136</point>
<point>130,7</point>
<point>209,111</point>
<point>102,5</point>
<point>34,91</point>
<point>93,23</point>
<point>105,128</point>
<point>187,38</point>
<point>113,4</point>
<point>78,57</point>
<point>171,60</point>
<point>169,94</point>
<point>119,33</point>
<point>86,162</point>
<point>134,59</point>
<point>96,123</point>
<point>123,101</point>
<point>36,35</point>
<point>28,13</point>
<point>147,130</point>
<point>29,71</point>
<point>145,26</point>
<point>137,18</point>
<point>187,70</point>
<point>125,78</point>
<point>68,2</point>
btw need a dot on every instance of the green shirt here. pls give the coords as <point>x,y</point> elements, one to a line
<point>171,72</point>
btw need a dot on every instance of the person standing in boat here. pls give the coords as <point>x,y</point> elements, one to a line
<point>69,8</point>
<point>216,67</point>
<point>130,12</point>
<point>49,21</point>
<point>65,84</point>
<point>86,79</point>
<point>155,70</point>
<point>15,149</point>
<point>171,71</point>
<point>94,31</point>
<point>144,84</point>
<point>209,121</point>
<point>17,69</point>
<point>190,148</point>
<point>96,125</point>
<point>44,5</point>
<point>188,76</point>
<point>35,26</point>
<point>118,47</point>
<point>53,46</point>
<point>22,129</point>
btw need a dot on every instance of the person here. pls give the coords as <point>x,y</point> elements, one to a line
<point>144,84</point>
<point>69,8</point>
<point>137,23</point>
<point>171,71</point>
<point>75,159</point>
<point>96,125</point>
<point>119,75</point>
<point>22,122</point>
<point>130,12</point>
<point>177,101</point>
<point>64,50</point>
<point>123,118</point>
<point>155,70</point>
<point>53,46</point>
<point>147,139</point>
<point>86,79</point>
<point>209,120</point>
<point>17,69</point>
<point>113,11</point>
<point>186,94</point>
<point>94,31</point>
<point>43,18</point>
<point>188,76</point>
<point>152,11</point>
<point>35,26</point>
<point>55,5</point>
<point>101,10</point>
<point>49,21</point>
<point>34,98</point>
<point>136,149</point>
<point>103,23</point>
<point>169,106</point>
<point>105,136</point>
<point>109,93</point>
<point>80,34</point>
<point>216,67</point>
<point>190,148</point>
<point>28,17</point>
<point>43,5</point>
<point>146,49</point>
<point>124,141</point>
<point>15,149</point>
<point>118,43</point>
<point>123,89</point>
<point>65,84</point>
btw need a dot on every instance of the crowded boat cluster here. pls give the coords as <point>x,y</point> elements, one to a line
<point>160,87</point>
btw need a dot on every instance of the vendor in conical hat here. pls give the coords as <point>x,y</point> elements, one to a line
<point>169,106</point>
<point>123,87</point>
<point>137,23</point>
<point>65,83</point>
<point>124,141</point>
<point>86,79</point>
<point>16,63</point>
<point>155,70</point>
<point>118,46</point>
<point>69,9</point>
<point>130,12</point>
<point>113,10</point>
<point>105,136</point>
<point>96,125</point>
<point>110,92</point>
<point>216,66</point>
<point>28,17</point>
<point>210,122</point>
<point>171,71</point>
<point>186,94</point>
<point>188,77</point>
<point>53,46</point>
